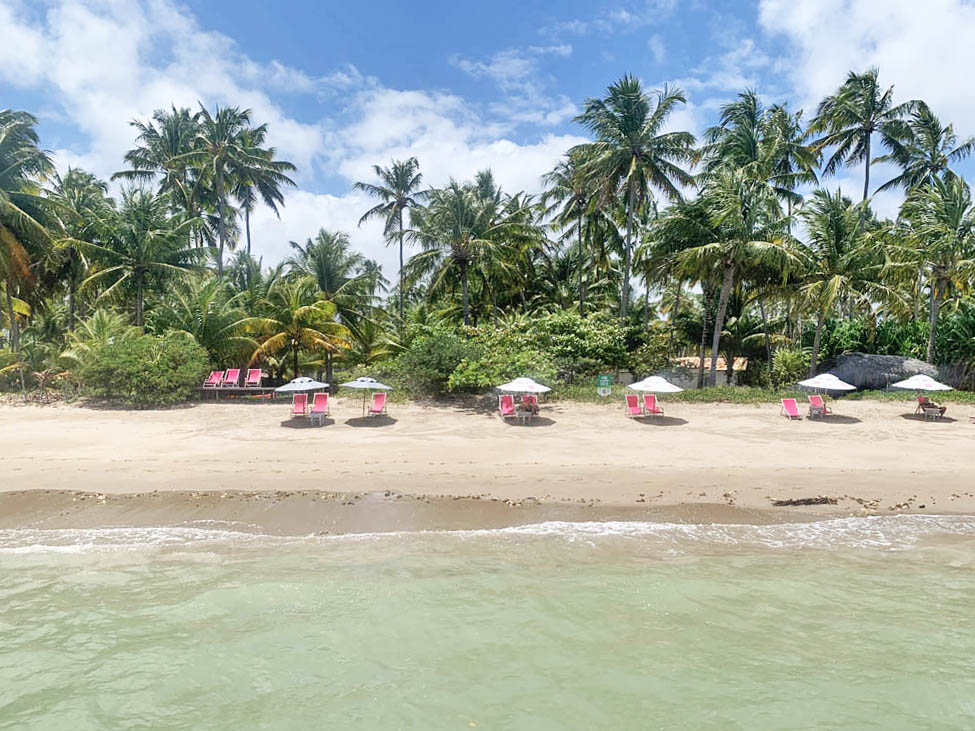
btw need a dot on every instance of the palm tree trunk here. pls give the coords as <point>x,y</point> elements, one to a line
<point>463,290</point>
<point>401,265</point>
<point>729,279</point>
<point>625,300</point>
<point>221,224</point>
<point>933,318</point>
<point>71,288</point>
<point>673,316</point>
<point>12,318</point>
<point>294,359</point>
<point>866,184</point>
<point>582,269</point>
<point>138,299</point>
<point>646,310</point>
<point>702,351</point>
<point>247,225</point>
<point>817,338</point>
<point>329,372</point>
<point>494,308</point>
<point>768,340</point>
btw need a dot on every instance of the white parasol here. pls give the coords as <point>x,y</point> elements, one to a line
<point>523,385</point>
<point>655,384</point>
<point>827,382</point>
<point>364,384</point>
<point>921,383</point>
<point>301,385</point>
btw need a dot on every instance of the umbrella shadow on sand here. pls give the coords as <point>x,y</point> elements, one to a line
<point>306,423</point>
<point>922,417</point>
<point>370,421</point>
<point>537,421</point>
<point>661,420</point>
<point>837,419</point>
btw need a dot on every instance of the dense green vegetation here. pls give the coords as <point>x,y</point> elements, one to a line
<point>645,244</point>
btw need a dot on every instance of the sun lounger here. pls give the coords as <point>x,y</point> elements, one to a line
<point>631,405</point>
<point>319,408</point>
<point>650,407</point>
<point>921,401</point>
<point>231,378</point>
<point>506,407</point>
<point>932,410</point>
<point>818,407</point>
<point>299,405</point>
<point>378,407</point>
<point>791,409</point>
<point>254,376</point>
<point>214,380</point>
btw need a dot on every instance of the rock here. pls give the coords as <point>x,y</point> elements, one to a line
<point>865,370</point>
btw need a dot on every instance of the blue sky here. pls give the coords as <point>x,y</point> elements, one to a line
<point>462,86</point>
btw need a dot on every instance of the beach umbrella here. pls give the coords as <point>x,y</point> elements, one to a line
<point>655,384</point>
<point>366,384</point>
<point>301,385</point>
<point>827,382</point>
<point>920,383</point>
<point>523,385</point>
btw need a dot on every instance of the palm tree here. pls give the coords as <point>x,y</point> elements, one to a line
<point>744,210</point>
<point>568,198</point>
<point>849,118</point>
<point>261,181</point>
<point>841,267</point>
<point>297,318</point>
<point>938,223</point>
<point>22,226</point>
<point>924,148</point>
<point>632,155</point>
<point>140,245</point>
<point>399,190</point>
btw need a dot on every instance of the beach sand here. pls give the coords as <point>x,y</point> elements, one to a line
<point>452,467</point>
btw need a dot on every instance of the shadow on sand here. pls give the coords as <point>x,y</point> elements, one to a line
<point>661,420</point>
<point>537,421</point>
<point>921,417</point>
<point>300,423</point>
<point>836,419</point>
<point>370,421</point>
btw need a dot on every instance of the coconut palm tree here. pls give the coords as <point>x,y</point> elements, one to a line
<point>23,225</point>
<point>261,181</point>
<point>848,119</point>
<point>297,318</point>
<point>924,148</point>
<point>399,191</point>
<point>138,246</point>
<point>632,155</point>
<point>938,236</point>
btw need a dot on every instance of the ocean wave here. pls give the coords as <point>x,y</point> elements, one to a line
<point>896,532</point>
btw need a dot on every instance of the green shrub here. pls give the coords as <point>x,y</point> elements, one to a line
<point>425,366</point>
<point>145,371</point>
<point>502,362</point>
<point>790,365</point>
<point>652,355</point>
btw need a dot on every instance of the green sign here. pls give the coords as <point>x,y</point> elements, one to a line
<point>604,381</point>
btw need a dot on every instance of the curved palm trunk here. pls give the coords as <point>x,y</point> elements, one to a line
<point>933,318</point>
<point>702,351</point>
<point>817,339</point>
<point>625,300</point>
<point>221,224</point>
<point>729,279</point>
<point>582,270</point>
<point>12,319</point>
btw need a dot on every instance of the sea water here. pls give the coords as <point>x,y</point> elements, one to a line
<point>846,624</point>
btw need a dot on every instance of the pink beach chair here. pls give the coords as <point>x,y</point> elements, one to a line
<point>631,405</point>
<point>319,408</point>
<point>299,405</point>
<point>231,378</point>
<point>791,409</point>
<point>650,406</point>
<point>254,376</point>
<point>530,399</point>
<point>818,407</point>
<point>214,380</point>
<point>378,407</point>
<point>506,406</point>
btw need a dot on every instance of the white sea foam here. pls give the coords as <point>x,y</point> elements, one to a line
<point>900,532</point>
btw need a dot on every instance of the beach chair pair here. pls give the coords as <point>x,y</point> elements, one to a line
<point>507,410</point>
<point>929,408</point>
<point>231,377</point>
<point>319,407</point>
<point>633,408</point>
<point>817,408</point>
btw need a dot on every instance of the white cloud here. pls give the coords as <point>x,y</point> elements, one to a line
<point>657,47</point>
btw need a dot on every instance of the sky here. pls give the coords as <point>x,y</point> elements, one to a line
<point>462,86</point>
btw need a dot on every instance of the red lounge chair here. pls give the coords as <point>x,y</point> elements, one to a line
<point>631,405</point>
<point>921,401</point>
<point>232,378</point>
<point>378,407</point>
<point>790,408</point>
<point>319,408</point>
<point>299,405</point>
<point>254,377</point>
<point>506,406</point>
<point>818,407</point>
<point>650,407</point>
<point>530,398</point>
<point>214,380</point>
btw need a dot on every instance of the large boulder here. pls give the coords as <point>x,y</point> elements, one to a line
<point>865,370</point>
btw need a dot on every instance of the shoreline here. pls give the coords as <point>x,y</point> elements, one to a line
<point>442,467</point>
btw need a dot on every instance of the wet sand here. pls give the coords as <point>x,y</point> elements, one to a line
<point>448,467</point>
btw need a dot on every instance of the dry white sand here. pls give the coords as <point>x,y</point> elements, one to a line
<point>873,457</point>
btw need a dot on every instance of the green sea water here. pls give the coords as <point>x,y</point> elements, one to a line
<point>843,624</point>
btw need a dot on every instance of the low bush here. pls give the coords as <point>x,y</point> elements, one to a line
<point>425,366</point>
<point>144,371</point>
<point>790,365</point>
